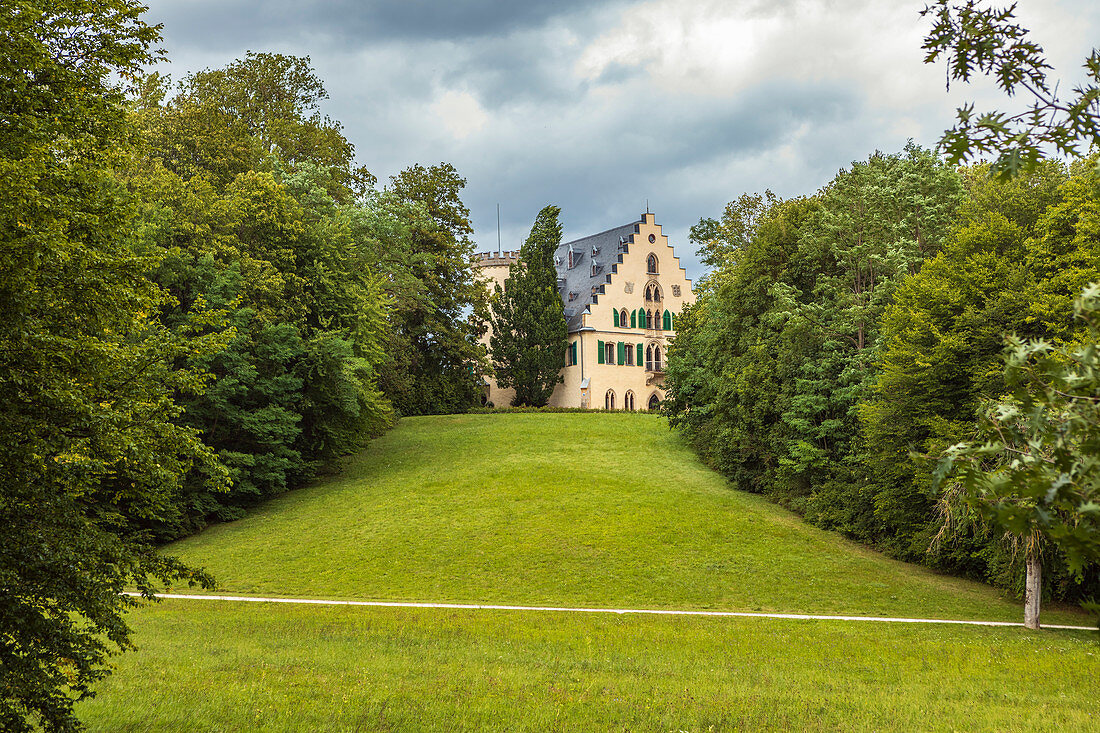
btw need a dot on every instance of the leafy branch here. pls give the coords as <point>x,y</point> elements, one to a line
<point>977,40</point>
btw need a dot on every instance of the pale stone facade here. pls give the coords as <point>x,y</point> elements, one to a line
<point>621,291</point>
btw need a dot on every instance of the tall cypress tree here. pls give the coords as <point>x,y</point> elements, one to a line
<point>529,331</point>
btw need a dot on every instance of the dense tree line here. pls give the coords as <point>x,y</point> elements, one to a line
<point>204,301</point>
<point>343,305</point>
<point>844,336</point>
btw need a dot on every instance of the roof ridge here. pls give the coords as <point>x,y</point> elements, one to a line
<point>606,231</point>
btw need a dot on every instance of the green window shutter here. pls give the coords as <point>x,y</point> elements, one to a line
<point>599,352</point>
<point>615,315</point>
<point>666,320</point>
<point>622,353</point>
<point>573,353</point>
<point>640,361</point>
<point>633,319</point>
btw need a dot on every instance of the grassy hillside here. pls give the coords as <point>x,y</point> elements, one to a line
<point>578,509</point>
<point>573,509</point>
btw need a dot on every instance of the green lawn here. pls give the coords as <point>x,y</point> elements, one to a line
<point>573,509</point>
<point>210,666</point>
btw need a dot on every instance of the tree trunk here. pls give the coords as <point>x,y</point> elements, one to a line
<point>1033,590</point>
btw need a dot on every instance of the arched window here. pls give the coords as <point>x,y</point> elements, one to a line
<point>657,358</point>
<point>649,319</point>
<point>657,318</point>
<point>656,290</point>
<point>654,402</point>
<point>648,293</point>
<point>609,400</point>
<point>628,400</point>
<point>649,358</point>
<point>623,318</point>
<point>651,264</point>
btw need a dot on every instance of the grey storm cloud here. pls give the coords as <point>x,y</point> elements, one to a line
<point>525,65</point>
<point>610,174</point>
<point>599,106</point>
<point>220,24</point>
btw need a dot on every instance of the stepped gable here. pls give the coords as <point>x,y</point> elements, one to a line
<point>580,279</point>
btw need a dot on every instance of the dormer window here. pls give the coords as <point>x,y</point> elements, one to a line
<point>595,250</point>
<point>595,269</point>
<point>573,259</point>
<point>557,261</point>
<point>572,295</point>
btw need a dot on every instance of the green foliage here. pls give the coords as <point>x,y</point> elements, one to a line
<point>1019,251</point>
<point>250,416</point>
<point>842,335</point>
<point>434,361</point>
<point>975,39</point>
<point>942,339</point>
<point>277,241</point>
<point>1034,468</point>
<point>91,451</point>
<point>257,110</point>
<point>859,244</point>
<point>770,364</point>
<point>529,330</point>
<point>719,241</point>
<point>724,375</point>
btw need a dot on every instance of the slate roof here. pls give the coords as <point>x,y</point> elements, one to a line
<point>606,250</point>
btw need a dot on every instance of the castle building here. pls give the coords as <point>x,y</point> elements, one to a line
<point>621,291</point>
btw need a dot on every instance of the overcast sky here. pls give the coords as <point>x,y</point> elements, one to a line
<point>598,106</point>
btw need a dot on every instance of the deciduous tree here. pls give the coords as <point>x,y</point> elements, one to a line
<point>435,362</point>
<point>1034,469</point>
<point>90,451</point>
